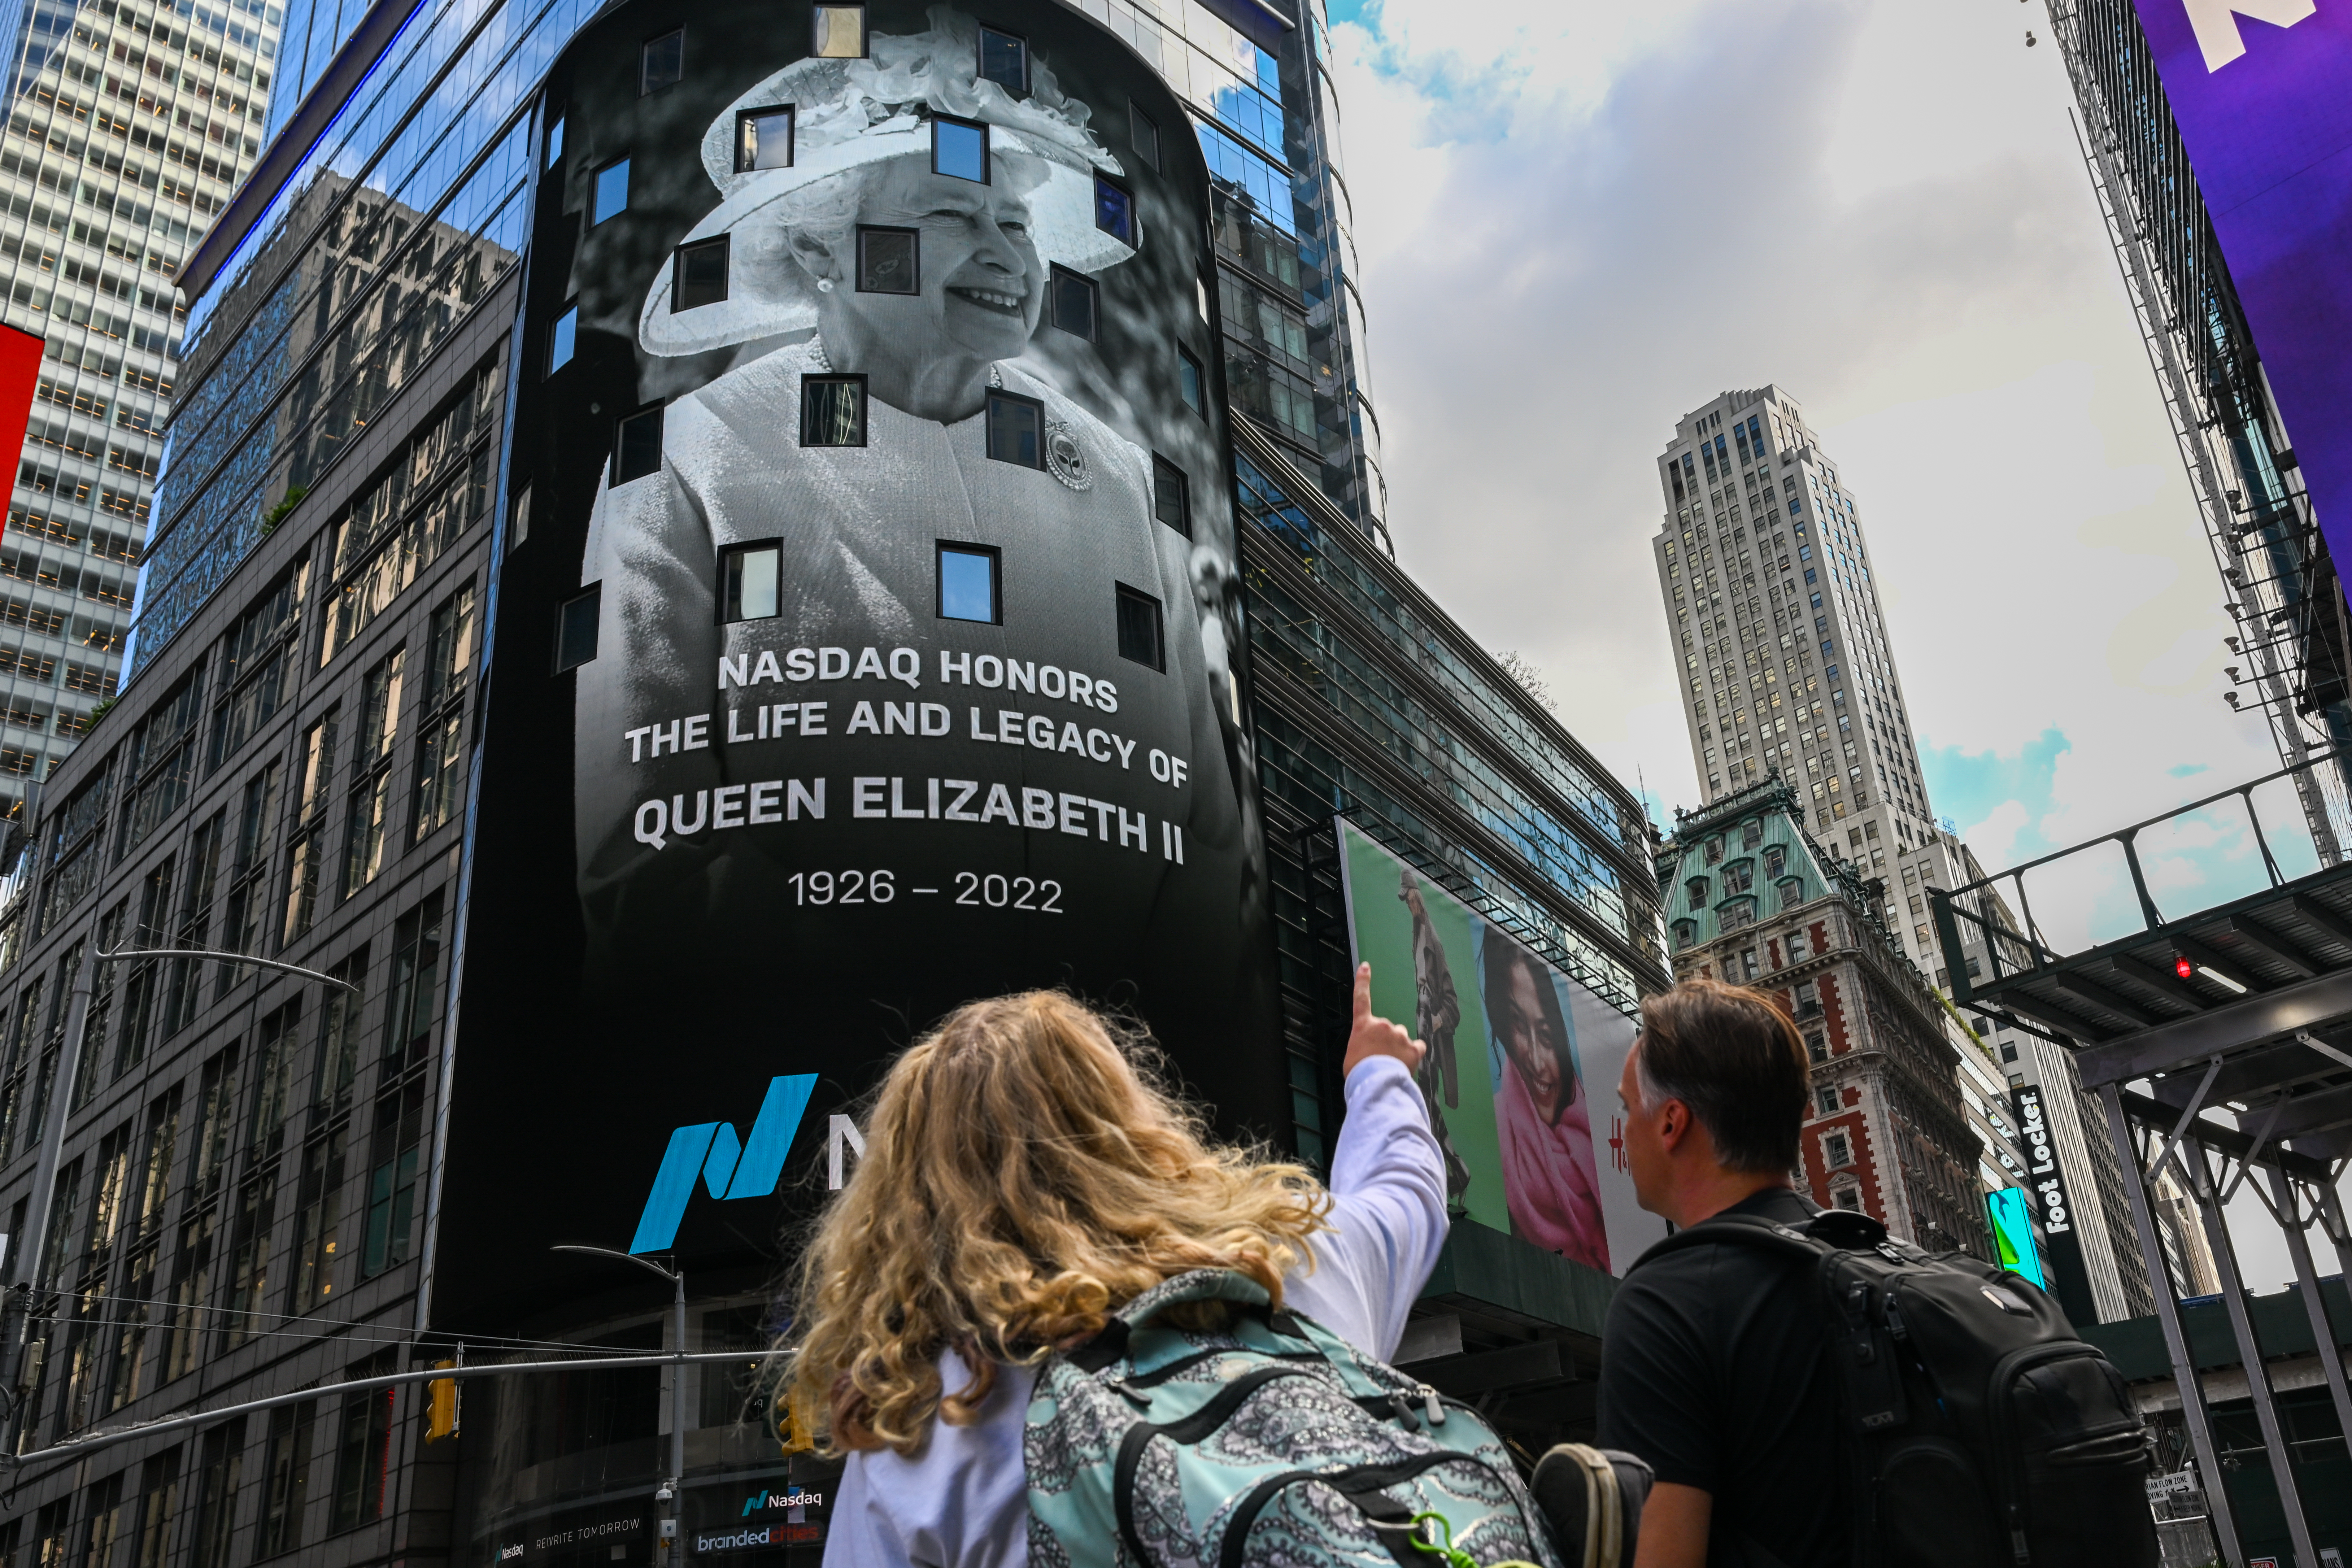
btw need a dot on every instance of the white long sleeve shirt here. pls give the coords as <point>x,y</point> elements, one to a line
<point>963,1501</point>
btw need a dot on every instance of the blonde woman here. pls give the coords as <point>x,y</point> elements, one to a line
<point>1023,1177</point>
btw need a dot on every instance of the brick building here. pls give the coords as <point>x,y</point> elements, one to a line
<point>1752,899</point>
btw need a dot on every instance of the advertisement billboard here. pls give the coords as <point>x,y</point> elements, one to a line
<point>2070,1279</point>
<point>2262,92</point>
<point>2011,1214</point>
<point>1521,1074</point>
<point>866,636</point>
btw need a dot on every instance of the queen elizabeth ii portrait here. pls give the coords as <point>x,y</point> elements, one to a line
<point>933,467</point>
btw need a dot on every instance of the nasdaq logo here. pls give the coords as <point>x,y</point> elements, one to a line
<point>2215,22</point>
<point>728,1166</point>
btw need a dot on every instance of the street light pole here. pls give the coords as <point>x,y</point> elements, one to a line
<point>26,1248</point>
<point>672,1492</point>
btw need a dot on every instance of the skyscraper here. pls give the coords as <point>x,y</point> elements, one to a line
<point>1783,643</point>
<point>129,125</point>
<point>1786,669</point>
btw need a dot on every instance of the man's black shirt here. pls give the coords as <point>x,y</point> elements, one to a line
<point>1714,1367</point>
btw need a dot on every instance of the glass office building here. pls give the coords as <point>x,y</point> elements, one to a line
<point>343,531</point>
<point>129,125</point>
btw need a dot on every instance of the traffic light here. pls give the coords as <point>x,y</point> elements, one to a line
<point>441,1406</point>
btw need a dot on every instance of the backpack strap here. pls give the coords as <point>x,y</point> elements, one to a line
<point>1742,1230</point>
<point>1873,1390</point>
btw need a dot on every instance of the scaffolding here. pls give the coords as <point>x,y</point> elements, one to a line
<point>2240,1008</point>
<point>2294,638</point>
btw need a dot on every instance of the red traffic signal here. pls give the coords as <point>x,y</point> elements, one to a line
<point>2183,968</point>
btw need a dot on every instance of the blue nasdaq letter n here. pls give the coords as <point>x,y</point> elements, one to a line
<point>729,1168</point>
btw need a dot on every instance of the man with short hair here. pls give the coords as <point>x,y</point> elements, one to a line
<point>1715,1365</point>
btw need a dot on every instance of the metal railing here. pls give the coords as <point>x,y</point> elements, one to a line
<point>2105,890</point>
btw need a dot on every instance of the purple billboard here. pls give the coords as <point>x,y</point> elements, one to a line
<point>2263,89</point>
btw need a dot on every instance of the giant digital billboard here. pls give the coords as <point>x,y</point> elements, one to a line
<point>865,636</point>
<point>1522,1066</point>
<point>2262,92</point>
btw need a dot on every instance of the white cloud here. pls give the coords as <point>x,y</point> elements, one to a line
<point>1575,222</point>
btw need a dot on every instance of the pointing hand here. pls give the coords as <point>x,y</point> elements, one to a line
<point>1375,1036</point>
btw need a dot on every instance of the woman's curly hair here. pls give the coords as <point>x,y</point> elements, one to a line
<point>1024,1174</point>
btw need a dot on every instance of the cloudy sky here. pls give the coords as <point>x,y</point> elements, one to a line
<point>1576,222</point>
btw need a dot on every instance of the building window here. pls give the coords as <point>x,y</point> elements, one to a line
<point>1825,1101</point>
<point>960,149</point>
<point>410,1009</point>
<point>575,628</point>
<point>1751,832</point>
<point>370,815</point>
<point>286,1479</point>
<point>698,274</point>
<point>1698,888</point>
<point>320,1226</point>
<point>363,1449</point>
<point>1715,850</point>
<point>439,794</point>
<point>661,62</point>
<point>1847,1197</point>
<point>1685,933</point>
<point>609,192</point>
<point>1114,211</point>
<point>1138,628</point>
<point>832,410</point>
<point>840,32</point>
<point>1189,381</point>
<point>1016,429</point>
<point>637,446</point>
<point>890,261</point>
<point>314,771</point>
<point>563,338</point>
<point>749,582</point>
<point>1776,860</point>
<point>1795,946</point>
<point>1171,497</point>
<point>554,142</point>
<point>1143,135</point>
<point>397,1146</point>
<point>1837,1150</point>
<point>2008,1051</point>
<point>1793,892</point>
<point>1740,875</point>
<point>1076,301</point>
<point>968,584</point>
<point>763,139</point>
<point>1004,59</point>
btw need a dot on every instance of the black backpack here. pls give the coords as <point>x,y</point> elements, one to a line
<point>1979,1431</point>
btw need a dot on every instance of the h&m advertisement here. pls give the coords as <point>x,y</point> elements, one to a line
<point>866,637</point>
<point>1522,1066</point>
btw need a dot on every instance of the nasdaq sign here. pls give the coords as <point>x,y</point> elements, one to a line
<point>728,1166</point>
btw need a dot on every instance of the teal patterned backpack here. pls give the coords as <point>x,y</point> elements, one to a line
<point>1268,1442</point>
